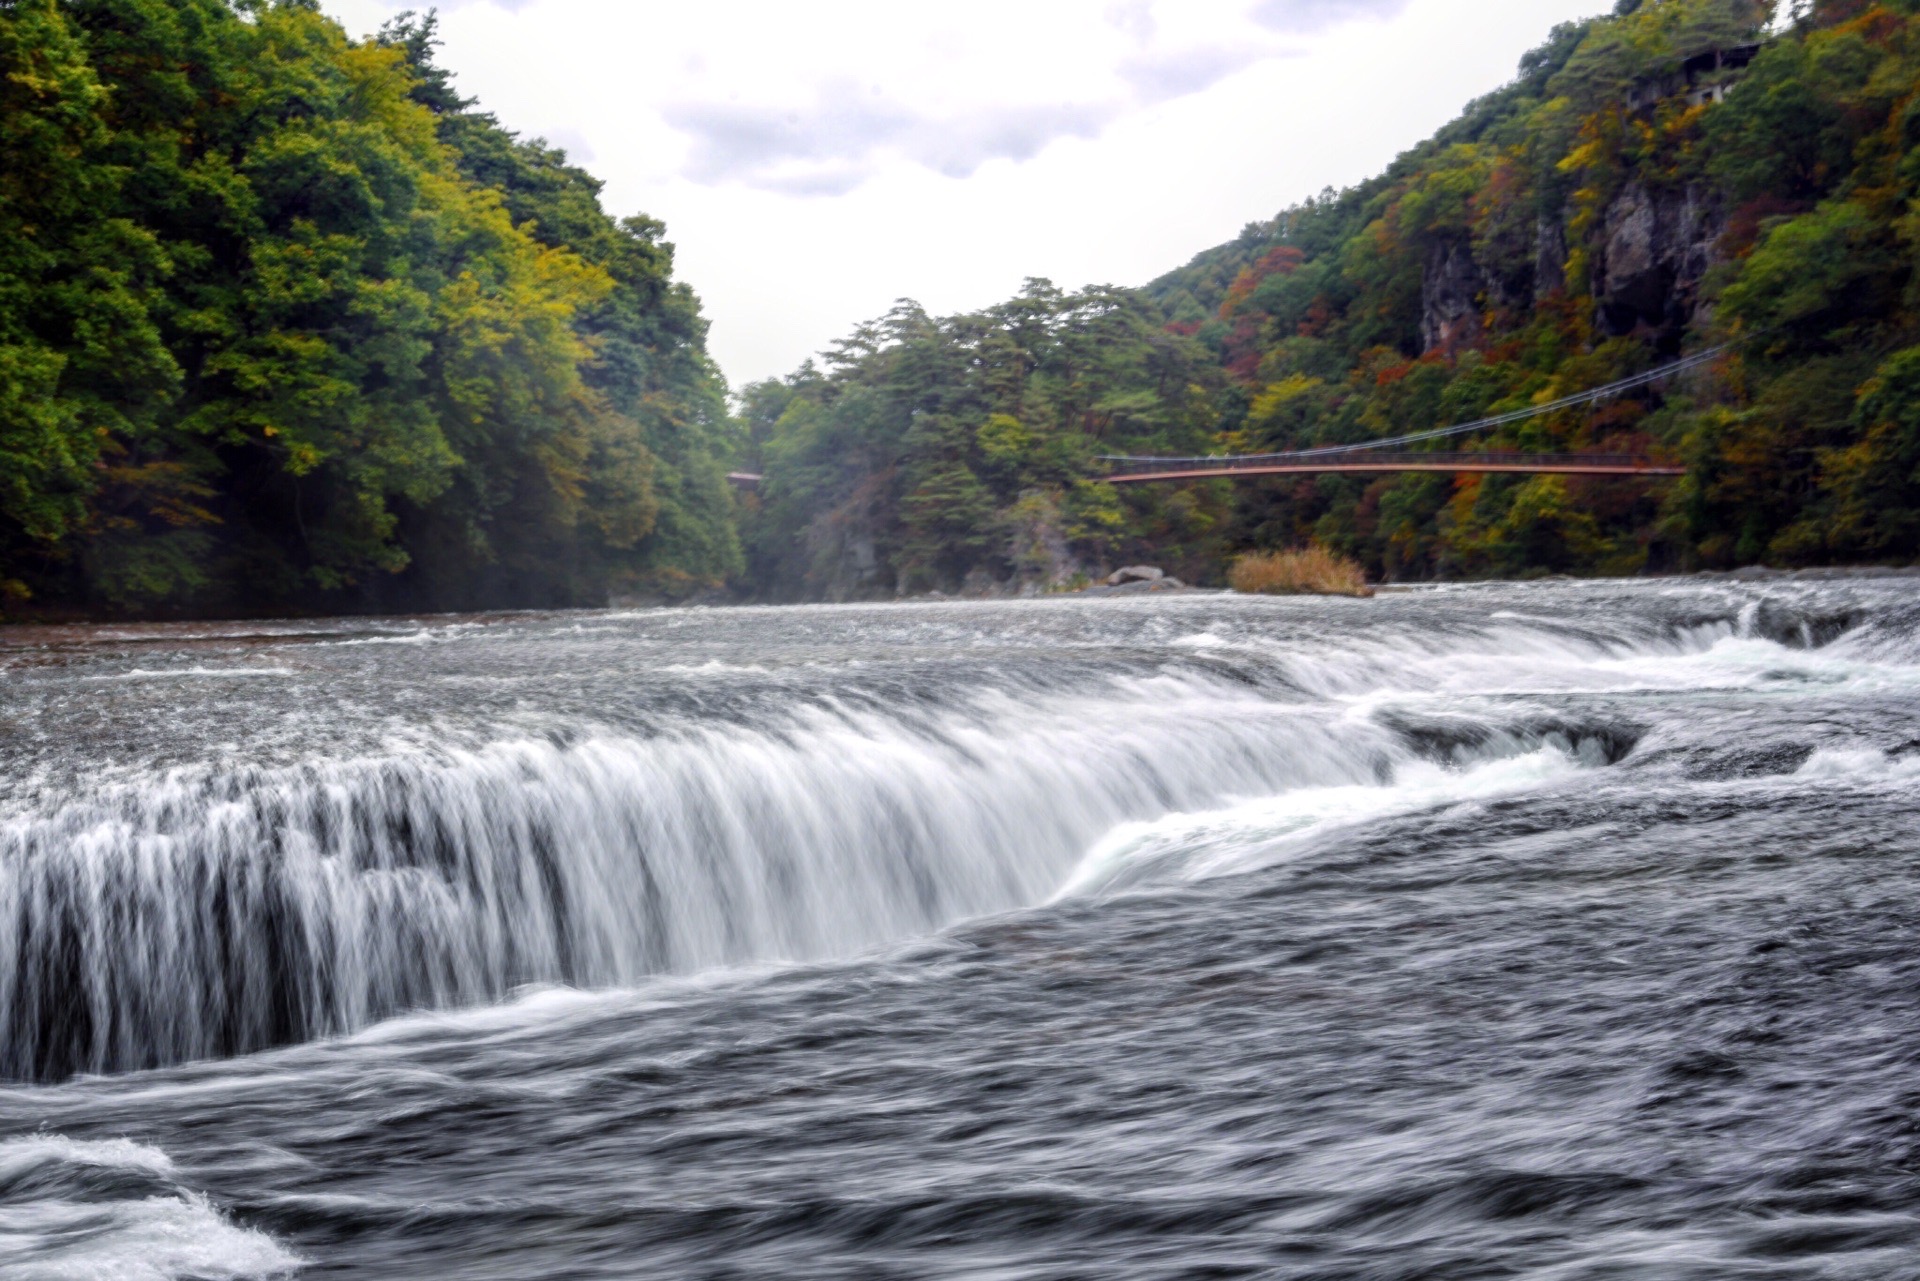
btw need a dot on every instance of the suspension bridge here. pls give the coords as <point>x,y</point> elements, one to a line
<point>1391,455</point>
<point>1379,457</point>
<point>1138,471</point>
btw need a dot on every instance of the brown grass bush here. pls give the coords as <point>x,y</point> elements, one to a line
<point>1312,572</point>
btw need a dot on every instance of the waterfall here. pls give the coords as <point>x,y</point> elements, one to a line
<point>202,913</point>
<point>150,916</point>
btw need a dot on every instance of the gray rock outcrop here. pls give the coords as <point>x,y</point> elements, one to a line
<point>1135,574</point>
<point>1549,256</point>
<point>1655,250</point>
<point>1650,258</point>
<point>1450,292</point>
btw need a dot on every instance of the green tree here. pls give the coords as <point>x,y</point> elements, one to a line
<point>83,370</point>
<point>285,322</point>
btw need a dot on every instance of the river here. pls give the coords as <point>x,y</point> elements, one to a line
<point>1562,931</point>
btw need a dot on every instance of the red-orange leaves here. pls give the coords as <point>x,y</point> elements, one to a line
<point>1282,261</point>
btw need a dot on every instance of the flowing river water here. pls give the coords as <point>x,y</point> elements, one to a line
<point>1558,931</point>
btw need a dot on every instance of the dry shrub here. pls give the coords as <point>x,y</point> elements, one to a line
<point>1312,572</point>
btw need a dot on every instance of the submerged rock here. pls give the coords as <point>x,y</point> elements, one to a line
<point>1141,587</point>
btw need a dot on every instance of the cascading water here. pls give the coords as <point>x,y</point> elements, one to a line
<point>207,913</point>
<point>862,872</point>
<point>209,910</point>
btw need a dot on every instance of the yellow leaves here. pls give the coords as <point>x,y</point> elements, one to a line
<point>381,85</point>
<point>1601,138</point>
<point>1232,442</point>
<point>348,309</point>
<point>303,458</point>
<point>1093,510</point>
<point>1439,198</point>
<point>1466,496</point>
<point>1587,155</point>
<point>1276,397</point>
<point>306,267</point>
<point>1542,506</point>
<point>1004,439</point>
<point>512,347</point>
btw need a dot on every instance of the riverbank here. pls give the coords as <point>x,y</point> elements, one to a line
<point>68,618</point>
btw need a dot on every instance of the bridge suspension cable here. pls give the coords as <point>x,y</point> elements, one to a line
<point>1694,361</point>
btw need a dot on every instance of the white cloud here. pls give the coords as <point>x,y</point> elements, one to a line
<point>849,132</point>
<point>939,87</point>
<point>1163,74</point>
<point>815,161</point>
<point>1314,15</point>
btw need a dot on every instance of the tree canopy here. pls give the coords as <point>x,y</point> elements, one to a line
<point>286,323</point>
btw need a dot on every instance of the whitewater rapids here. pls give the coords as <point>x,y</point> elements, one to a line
<point>1559,930</point>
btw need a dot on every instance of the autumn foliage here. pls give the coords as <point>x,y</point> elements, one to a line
<point>287,324</point>
<point>1312,571</point>
<point>1677,176</point>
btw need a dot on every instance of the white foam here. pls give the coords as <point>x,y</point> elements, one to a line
<point>181,673</point>
<point>1260,833</point>
<point>1705,663</point>
<point>1845,765</point>
<point>539,1004</point>
<point>156,1238</point>
<point>425,636</point>
<point>1513,657</point>
<point>712,667</point>
<point>19,1155</point>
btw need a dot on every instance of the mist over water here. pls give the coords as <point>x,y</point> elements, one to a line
<point>1558,930</point>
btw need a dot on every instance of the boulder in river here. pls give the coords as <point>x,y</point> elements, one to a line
<point>1135,574</point>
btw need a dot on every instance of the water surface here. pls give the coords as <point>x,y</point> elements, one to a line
<point>1551,931</point>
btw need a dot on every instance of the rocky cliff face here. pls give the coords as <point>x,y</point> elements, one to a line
<point>1451,294</point>
<point>1549,256</point>
<point>1651,255</point>
<point>1655,250</point>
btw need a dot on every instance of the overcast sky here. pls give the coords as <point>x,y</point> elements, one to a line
<point>814,160</point>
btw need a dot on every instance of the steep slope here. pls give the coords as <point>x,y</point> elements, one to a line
<point>1677,175</point>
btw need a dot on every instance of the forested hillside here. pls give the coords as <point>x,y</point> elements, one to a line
<point>285,323</point>
<point>1677,175</point>
<point>288,324</point>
